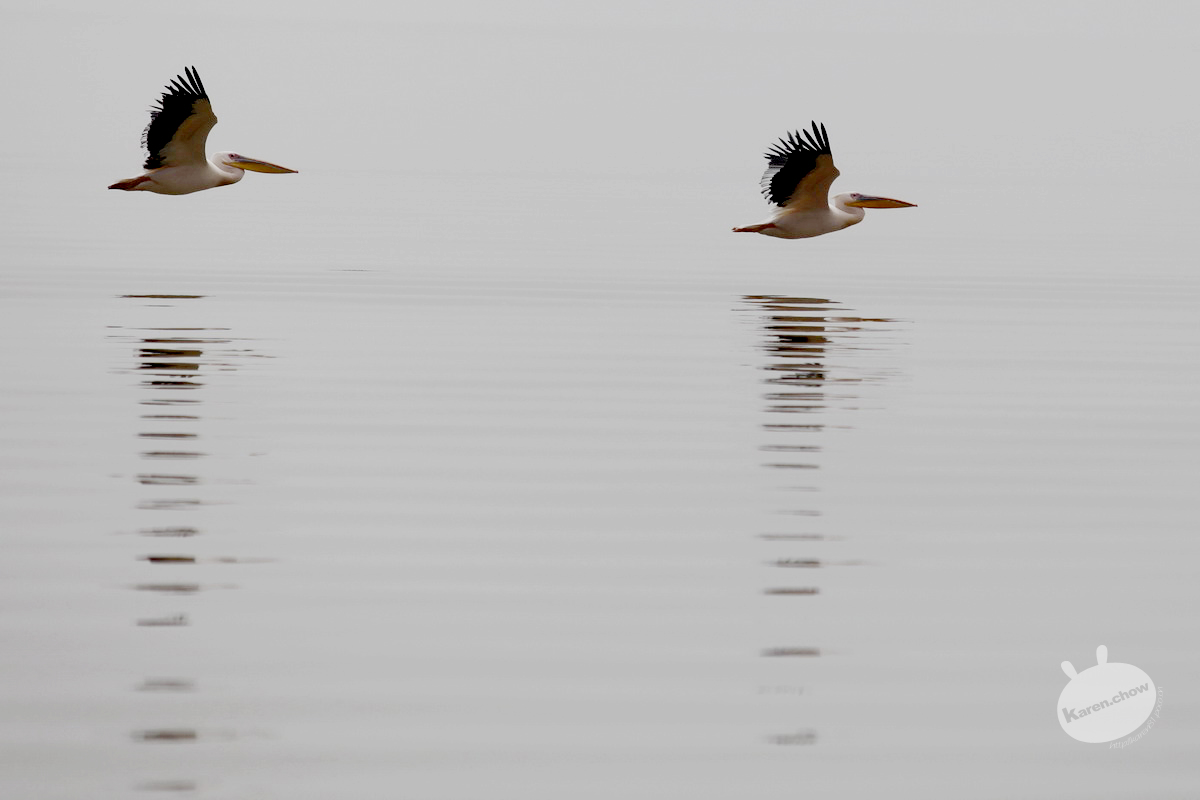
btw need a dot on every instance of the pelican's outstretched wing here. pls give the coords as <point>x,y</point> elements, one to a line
<point>800,171</point>
<point>179,126</point>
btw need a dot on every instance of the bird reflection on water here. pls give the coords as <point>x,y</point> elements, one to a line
<point>177,371</point>
<point>812,371</point>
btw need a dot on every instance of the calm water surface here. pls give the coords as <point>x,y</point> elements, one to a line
<point>356,532</point>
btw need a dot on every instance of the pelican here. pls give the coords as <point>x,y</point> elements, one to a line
<point>175,139</point>
<point>799,174</point>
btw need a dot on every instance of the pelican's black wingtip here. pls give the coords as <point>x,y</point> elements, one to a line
<point>188,83</point>
<point>815,141</point>
<point>197,84</point>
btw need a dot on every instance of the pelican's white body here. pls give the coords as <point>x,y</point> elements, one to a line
<point>188,178</point>
<point>789,223</point>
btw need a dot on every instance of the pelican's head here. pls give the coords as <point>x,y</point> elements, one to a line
<point>252,164</point>
<point>871,201</point>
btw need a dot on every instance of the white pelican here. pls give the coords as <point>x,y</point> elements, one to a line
<point>175,139</point>
<point>798,179</point>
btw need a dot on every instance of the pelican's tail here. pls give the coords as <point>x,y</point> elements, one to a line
<point>131,184</point>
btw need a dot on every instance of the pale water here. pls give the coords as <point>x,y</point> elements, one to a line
<point>477,473</point>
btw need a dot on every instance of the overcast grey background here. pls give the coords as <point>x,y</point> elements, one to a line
<point>483,412</point>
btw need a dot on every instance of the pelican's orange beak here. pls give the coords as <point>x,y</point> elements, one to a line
<point>879,202</point>
<point>254,165</point>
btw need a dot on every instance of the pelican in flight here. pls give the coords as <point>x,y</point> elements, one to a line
<point>799,174</point>
<point>175,139</point>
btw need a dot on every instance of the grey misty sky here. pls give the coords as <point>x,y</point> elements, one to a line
<point>1006,107</point>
